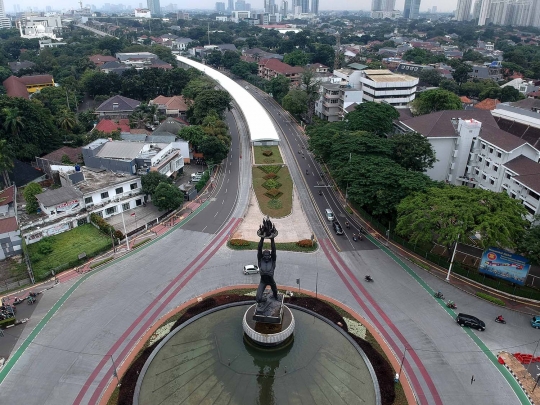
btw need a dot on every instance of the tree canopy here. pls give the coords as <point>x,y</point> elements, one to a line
<point>455,213</point>
<point>295,102</point>
<point>152,180</point>
<point>167,197</point>
<point>29,194</point>
<point>435,100</point>
<point>376,118</point>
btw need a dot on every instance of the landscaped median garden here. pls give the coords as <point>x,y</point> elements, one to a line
<point>267,155</point>
<point>305,245</point>
<point>61,252</point>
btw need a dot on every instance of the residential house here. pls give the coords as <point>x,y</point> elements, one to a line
<point>334,101</point>
<point>172,125</point>
<point>491,71</point>
<point>487,104</point>
<point>114,67</point>
<point>171,106</point>
<point>109,126</point>
<point>23,173</point>
<point>256,54</point>
<point>10,236</point>
<point>270,68</point>
<point>99,60</point>
<point>525,87</point>
<point>16,66</point>
<point>117,107</point>
<point>521,119</point>
<point>25,85</point>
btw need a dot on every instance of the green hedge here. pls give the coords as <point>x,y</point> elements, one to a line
<point>94,265</point>
<point>7,322</point>
<point>142,242</point>
<point>289,246</point>
<point>490,298</point>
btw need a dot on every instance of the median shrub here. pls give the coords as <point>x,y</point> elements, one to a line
<point>270,184</point>
<point>239,242</point>
<point>267,152</point>
<point>270,176</point>
<point>305,243</point>
<point>273,193</point>
<point>7,322</point>
<point>270,168</point>
<point>491,299</point>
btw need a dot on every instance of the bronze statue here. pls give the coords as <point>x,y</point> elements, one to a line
<point>266,260</point>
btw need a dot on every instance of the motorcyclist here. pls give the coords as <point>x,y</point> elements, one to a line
<point>500,318</point>
<point>354,236</point>
<point>347,225</point>
<point>368,277</point>
<point>307,172</point>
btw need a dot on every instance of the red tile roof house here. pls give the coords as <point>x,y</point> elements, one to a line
<point>270,68</point>
<point>99,60</point>
<point>109,126</point>
<point>172,106</point>
<point>55,157</point>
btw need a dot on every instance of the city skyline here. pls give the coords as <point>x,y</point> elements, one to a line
<point>324,5</point>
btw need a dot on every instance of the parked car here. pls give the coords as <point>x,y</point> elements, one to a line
<point>535,321</point>
<point>470,321</point>
<point>251,269</point>
<point>329,214</point>
<point>196,176</point>
<point>337,228</point>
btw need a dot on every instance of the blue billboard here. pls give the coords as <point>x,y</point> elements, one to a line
<point>502,264</point>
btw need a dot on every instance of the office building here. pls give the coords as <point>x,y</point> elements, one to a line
<point>284,8</point>
<point>154,7</point>
<point>220,7</point>
<point>434,9</point>
<point>315,7</point>
<point>240,5</point>
<point>305,6</point>
<point>483,15</point>
<point>230,5</point>
<point>383,5</point>
<point>463,10</point>
<point>411,9</point>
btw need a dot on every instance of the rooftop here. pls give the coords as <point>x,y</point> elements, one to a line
<point>528,171</point>
<point>280,67</point>
<point>74,154</point>
<point>487,104</point>
<point>36,79</point>
<point>439,125</point>
<point>385,75</point>
<point>98,179</point>
<point>58,196</point>
<point>7,196</point>
<point>8,225</point>
<point>15,87</point>
<point>109,126</point>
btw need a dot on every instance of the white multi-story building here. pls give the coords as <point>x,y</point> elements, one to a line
<point>142,13</point>
<point>4,21</point>
<point>473,151</point>
<point>334,100</point>
<point>384,86</point>
<point>238,16</point>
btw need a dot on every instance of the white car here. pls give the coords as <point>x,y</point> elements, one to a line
<point>329,214</point>
<point>251,269</point>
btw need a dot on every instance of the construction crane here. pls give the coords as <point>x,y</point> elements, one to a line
<point>338,51</point>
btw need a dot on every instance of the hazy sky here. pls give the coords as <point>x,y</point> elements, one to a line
<point>448,5</point>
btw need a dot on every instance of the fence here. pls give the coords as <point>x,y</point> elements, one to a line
<point>6,286</point>
<point>470,272</point>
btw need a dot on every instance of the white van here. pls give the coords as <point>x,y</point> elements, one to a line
<point>196,176</point>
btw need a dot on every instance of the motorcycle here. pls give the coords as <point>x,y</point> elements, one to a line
<point>30,300</point>
<point>347,225</point>
<point>451,304</point>
<point>362,230</point>
<point>439,295</point>
<point>320,192</point>
<point>500,320</point>
<point>354,237</point>
<point>18,301</point>
<point>368,278</point>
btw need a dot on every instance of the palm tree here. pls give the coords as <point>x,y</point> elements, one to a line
<point>66,120</point>
<point>6,161</point>
<point>13,121</point>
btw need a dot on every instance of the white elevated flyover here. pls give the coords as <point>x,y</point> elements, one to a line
<point>260,126</point>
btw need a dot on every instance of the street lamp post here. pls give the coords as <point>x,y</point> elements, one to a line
<point>452,261</point>
<point>125,232</point>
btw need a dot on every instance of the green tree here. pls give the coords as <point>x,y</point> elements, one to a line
<point>310,85</point>
<point>13,120</point>
<point>6,161</point>
<point>435,100</point>
<point>213,149</point>
<point>167,197</point>
<point>151,180</point>
<point>461,73</point>
<point>99,83</point>
<point>193,134</point>
<point>208,101</point>
<point>413,151</point>
<point>66,120</point>
<point>430,76</point>
<point>230,58</point>
<point>509,94</point>
<point>297,58</point>
<point>454,213</point>
<point>244,69</point>
<point>376,118</point>
<point>529,243</point>
<point>196,86</point>
<point>278,87</point>
<point>450,85</point>
<point>29,194</point>
<point>4,73</point>
<point>295,102</point>
<point>324,54</point>
<point>214,58</point>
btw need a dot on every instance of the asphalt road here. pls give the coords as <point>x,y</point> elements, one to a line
<point>93,328</point>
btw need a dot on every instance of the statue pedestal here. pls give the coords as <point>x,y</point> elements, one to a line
<point>269,310</point>
<point>269,334</point>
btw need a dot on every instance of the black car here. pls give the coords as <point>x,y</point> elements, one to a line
<point>337,227</point>
<point>470,321</point>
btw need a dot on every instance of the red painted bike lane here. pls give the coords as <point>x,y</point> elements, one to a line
<point>205,255</point>
<point>330,253</point>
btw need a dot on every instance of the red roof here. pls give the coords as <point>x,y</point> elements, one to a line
<point>101,59</point>
<point>8,225</point>
<point>36,79</point>
<point>74,154</point>
<point>487,104</point>
<point>280,67</point>
<point>465,100</point>
<point>109,126</point>
<point>15,87</point>
<point>7,196</point>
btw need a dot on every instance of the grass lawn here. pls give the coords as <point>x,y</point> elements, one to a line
<point>65,249</point>
<point>274,207</point>
<point>260,159</point>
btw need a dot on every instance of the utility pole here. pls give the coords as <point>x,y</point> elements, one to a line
<point>338,51</point>
<point>208,32</point>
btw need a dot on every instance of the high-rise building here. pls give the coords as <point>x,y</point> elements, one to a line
<point>240,5</point>
<point>483,15</point>
<point>434,9</point>
<point>284,8</point>
<point>376,5</point>
<point>154,7</point>
<point>499,12</point>
<point>411,9</point>
<point>315,7</point>
<point>463,10</point>
<point>383,5</point>
<point>220,7</point>
<point>534,19</point>
<point>230,5</point>
<point>476,9</point>
<point>4,21</point>
<point>305,6</point>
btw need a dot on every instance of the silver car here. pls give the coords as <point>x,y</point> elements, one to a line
<point>329,214</point>
<point>251,269</point>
